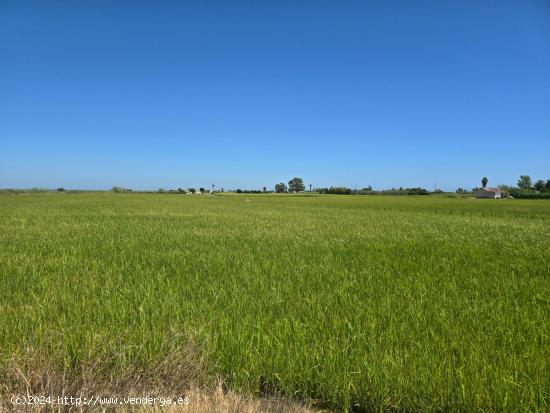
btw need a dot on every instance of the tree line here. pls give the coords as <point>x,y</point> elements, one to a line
<point>297,185</point>
<point>525,188</point>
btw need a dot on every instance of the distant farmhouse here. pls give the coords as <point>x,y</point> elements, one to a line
<point>491,193</point>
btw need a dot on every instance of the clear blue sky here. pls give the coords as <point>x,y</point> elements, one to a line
<point>250,93</point>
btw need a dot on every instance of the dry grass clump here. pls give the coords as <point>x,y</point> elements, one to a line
<point>220,401</point>
<point>32,372</point>
<point>182,374</point>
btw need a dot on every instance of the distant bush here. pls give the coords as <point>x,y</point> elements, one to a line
<point>530,195</point>
<point>405,191</point>
<point>60,189</point>
<point>365,191</point>
<point>11,191</point>
<point>15,191</point>
<point>119,189</point>
<point>339,190</point>
<point>249,191</point>
<point>334,190</point>
<point>418,191</point>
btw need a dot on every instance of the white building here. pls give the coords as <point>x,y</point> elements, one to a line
<point>491,193</point>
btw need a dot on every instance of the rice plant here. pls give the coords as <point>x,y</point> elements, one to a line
<point>366,303</point>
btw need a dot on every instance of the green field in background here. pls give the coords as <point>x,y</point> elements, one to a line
<point>414,303</point>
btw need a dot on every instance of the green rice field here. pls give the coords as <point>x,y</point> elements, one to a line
<point>356,303</point>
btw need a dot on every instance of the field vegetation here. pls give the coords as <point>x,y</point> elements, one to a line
<point>352,303</point>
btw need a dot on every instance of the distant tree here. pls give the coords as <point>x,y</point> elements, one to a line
<point>547,185</point>
<point>309,187</point>
<point>181,190</point>
<point>60,189</point>
<point>339,190</point>
<point>202,190</point>
<point>296,185</point>
<point>161,190</point>
<point>525,182</point>
<point>118,189</point>
<point>507,190</point>
<point>264,189</point>
<point>460,191</point>
<point>539,185</point>
<point>280,188</point>
<point>417,191</point>
<point>192,190</point>
<point>239,191</point>
<point>484,182</point>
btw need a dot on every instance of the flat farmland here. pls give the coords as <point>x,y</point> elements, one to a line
<point>362,303</point>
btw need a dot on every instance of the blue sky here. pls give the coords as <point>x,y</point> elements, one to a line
<point>250,93</point>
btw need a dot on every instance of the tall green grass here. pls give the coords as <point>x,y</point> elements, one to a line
<point>366,303</point>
